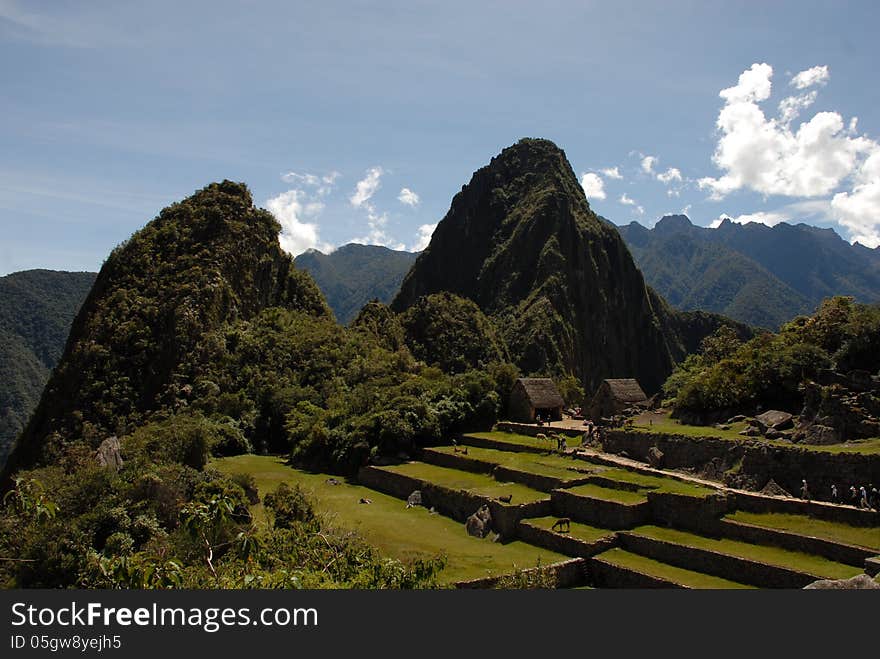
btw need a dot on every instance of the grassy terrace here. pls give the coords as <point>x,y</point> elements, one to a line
<point>808,563</point>
<point>818,528</point>
<point>663,424</point>
<point>677,575</point>
<point>550,464</point>
<point>608,494</point>
<point>658,483</point>
<point>521,440</point>
<point>389,526</point>
<point>578,531</point>
<point>456,479</point>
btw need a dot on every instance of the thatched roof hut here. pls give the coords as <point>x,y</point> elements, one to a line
<point>531,396</point>
<point>613,396</point>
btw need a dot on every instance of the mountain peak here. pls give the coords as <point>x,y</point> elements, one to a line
<point>669,223</point>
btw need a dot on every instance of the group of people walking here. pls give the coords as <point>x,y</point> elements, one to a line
<point>864,496</point>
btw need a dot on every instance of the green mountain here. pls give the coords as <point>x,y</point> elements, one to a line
<point>208,260</point>
<point>521,241</point>
<point>760,275</point>
<point>354,274</point>
<point>36,310</point>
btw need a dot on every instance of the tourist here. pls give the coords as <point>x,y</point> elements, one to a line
<point>863,499</point>
<point>853,496</point>
<point>805,491</point>
<point>835,497</point>
<point>874,497</point>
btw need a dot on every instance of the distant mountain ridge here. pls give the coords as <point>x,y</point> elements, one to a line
<point>36,310</point>
<point>354,274</point>
<point>760,275</point>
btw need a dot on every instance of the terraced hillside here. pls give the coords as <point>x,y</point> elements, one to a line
<point>625,525</point>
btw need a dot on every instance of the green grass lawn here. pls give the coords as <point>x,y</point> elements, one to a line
<point>649,566</point>
<point>389,526</point>
<point>608,494</point>
<point>578,531</point>
<point>455,479</point>
<point>657,483</point>
<point>663,424</point>
<point>555,466</point>
<point>868,537</point>
<point>816,565</point>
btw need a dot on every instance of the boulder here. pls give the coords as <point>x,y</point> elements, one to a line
<point>820,435</point>
<point>655,457</point>
<point>414,499</point>
<point>773,489</point>
<point>736,419</point>
<point>775,419</point>
<point>109,454</point>
<point>480,523</point>
<point>751,431</point>
<point>772,433</point>
<point>859,582</point>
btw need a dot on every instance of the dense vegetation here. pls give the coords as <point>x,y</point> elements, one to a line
<point>759,275</point>
<point>36,310</point>
<point>200,338</point>
<point>352,275</point>
<point>729,376</point>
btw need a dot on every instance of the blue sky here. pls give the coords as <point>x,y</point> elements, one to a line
<point>361,120</point>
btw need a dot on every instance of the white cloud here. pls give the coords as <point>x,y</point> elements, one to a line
<point>859,210</point>
<point>593,185</point>
<point>818,75</point>
<point>366,187</point>
<point>290,209</point>
<point>612,172</point>
<point>753,85</point>
<point>671,174</point>
<point>791,106</point>
<point>628,201</point>
<point>423,237</point>
<point>408,197</point>
<point>648,163</point>
<point>768,156</point>
<point>323,184</point>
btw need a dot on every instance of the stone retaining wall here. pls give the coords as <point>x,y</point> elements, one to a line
<point>568,574</point>
<point>785,464</point>
<point>457,504</point>
<point>532,430</point>
<point>485,442</point>
<point>690,513</point>
<point>757,503</point>
<point>835,551</point>
<point>599,512</point>
<point>733,568</point>
<point>608,575</point>
<point>563,543</point>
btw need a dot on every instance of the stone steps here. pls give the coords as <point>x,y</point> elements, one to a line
<point>581,540</point>
<point>619,568</point>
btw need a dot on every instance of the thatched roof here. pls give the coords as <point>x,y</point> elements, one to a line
<point>626,390</point>
<point>542,393</point>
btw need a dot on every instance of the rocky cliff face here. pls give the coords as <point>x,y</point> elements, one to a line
<point>521,241</point>
<point>210,259</point>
